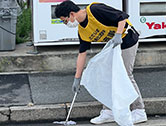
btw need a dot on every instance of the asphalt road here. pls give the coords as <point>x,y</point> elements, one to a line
<point>50,88</point>
<point>152,121</point>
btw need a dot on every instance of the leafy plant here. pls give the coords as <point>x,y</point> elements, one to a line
<point>22,3</point>
<point>24,26</point>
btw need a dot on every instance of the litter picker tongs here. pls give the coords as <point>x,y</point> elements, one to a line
<point>66,122</point>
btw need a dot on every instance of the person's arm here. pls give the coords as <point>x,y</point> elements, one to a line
<point>81,59</point>
<point>117,39</point>
<point>121,25</point>
<point>84,46</point>
<point>80,64</point>
<point>79,68</point>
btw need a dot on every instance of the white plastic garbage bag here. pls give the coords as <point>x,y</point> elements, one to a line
<point>106,79</point>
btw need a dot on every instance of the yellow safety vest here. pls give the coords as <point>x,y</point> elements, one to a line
<point>96,31</point>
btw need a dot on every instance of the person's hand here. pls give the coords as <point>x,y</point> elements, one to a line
<point>76,85</point>
<point>117,39</point>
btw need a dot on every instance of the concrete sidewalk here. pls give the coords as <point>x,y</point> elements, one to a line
<point>63,58</point>
<point>38,87</point>
<point>81,110</point>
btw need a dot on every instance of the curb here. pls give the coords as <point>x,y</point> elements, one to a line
<point>153,106</point>
<point>64,59</point>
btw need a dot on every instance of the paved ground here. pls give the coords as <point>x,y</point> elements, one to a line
<point>14,90</point>
<point>51,88</point>
<point>50,92</point>
<point>159,121</point>
<point>151,82</point>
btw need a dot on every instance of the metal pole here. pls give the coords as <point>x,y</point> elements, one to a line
<point>75,95</point>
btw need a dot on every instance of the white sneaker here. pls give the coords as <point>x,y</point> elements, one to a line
<point>139,116</point>
<point>105,116</point>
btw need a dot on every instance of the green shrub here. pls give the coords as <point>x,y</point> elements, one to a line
<point>24,26</point>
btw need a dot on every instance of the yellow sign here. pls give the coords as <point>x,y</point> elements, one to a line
<point>56,21</point>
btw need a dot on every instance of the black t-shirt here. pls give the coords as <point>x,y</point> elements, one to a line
<point>110,17</point>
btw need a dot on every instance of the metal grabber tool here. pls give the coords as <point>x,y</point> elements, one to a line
<point>66,122</point>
